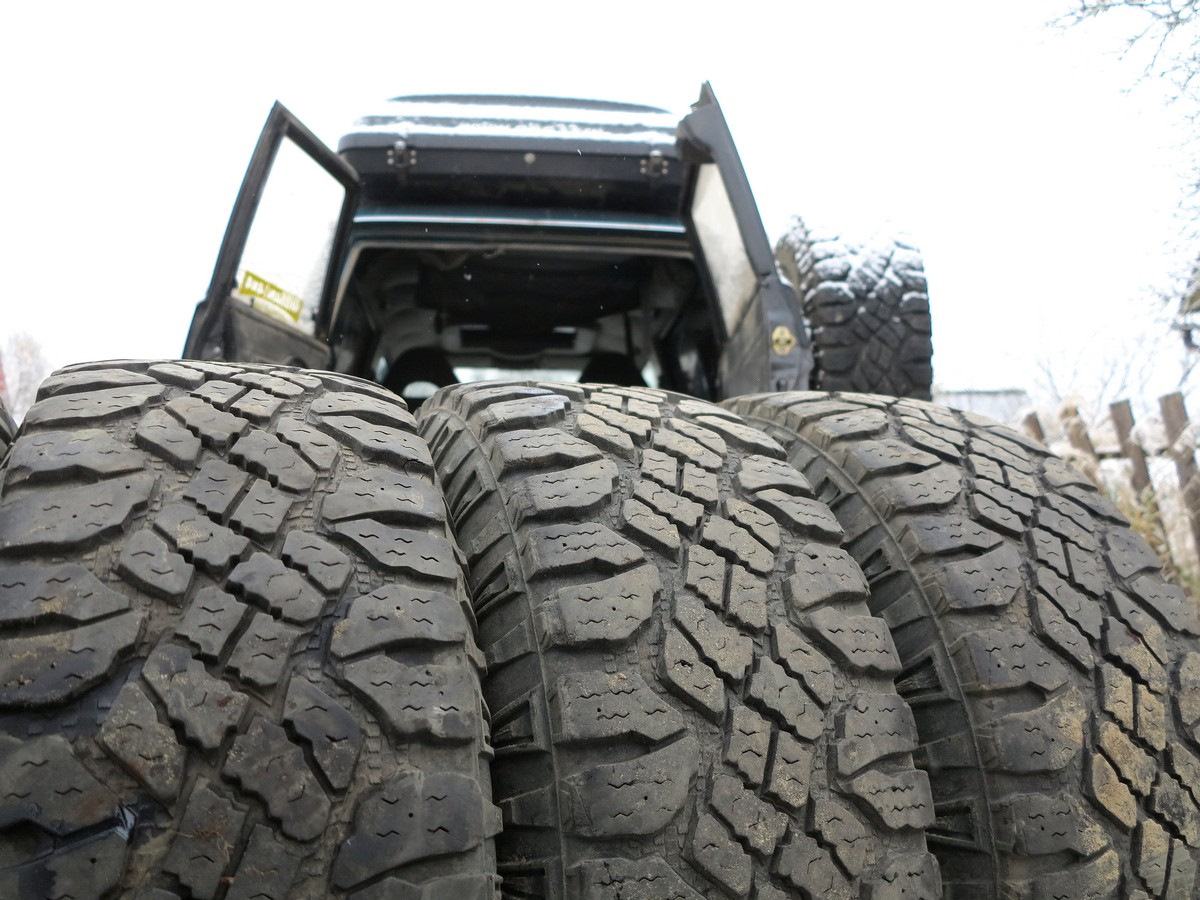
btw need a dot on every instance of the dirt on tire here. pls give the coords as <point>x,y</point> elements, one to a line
<point>236,649</point>
<point>1053,673</point>
<point>689,696</point>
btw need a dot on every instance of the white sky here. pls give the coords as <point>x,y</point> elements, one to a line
<point>1042,194</point>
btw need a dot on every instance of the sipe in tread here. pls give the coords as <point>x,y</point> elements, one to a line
<point>689,696</point>
<point>1053,673</point>
<point>867,304</point>
<point>216,681</point>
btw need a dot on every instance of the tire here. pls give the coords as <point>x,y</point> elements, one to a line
<point>867,305</point>
<point>689,697</point>
<point>8,430</point>
<point>212,680</point>
<point>1054,675</point>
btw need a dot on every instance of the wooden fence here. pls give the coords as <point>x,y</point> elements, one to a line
<point>1149,494</point>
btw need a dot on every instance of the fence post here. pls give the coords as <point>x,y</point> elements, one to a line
<point>1176,421</point>
<point>1122,417</point>
<point>1033,427</point>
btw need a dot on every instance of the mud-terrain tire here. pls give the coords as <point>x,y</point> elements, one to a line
<point>1054,675</point>
<point>867,305</point>
<point>689,697</point>
<point>236,648</point>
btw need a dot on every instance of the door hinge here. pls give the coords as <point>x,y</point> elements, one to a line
<point>401,156</point>
<point>655,165</point>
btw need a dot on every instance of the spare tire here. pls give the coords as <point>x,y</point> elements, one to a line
<point>867,305</point>
<point>1054,674</point>
<point>236,650</point>
<point>689,697</point>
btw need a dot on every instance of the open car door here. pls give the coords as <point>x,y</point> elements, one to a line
<point>765,345</point>
<point>279,263</point>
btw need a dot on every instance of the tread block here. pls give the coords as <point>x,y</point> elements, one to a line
<point>1168,602</point>
<point>200,851</point>
<point>791,771</point>
<point>757,823</point>
<point>637,796</point>
<point>261,511</point>
<point>386,496</point>
<point>1126,647</point>
<point>885,456</point>
<point>740,434</point>
<point>705,437</point>
<point>96,405</point>
<point>758,523</point>
<point>1152,847</point>
<point>525,412</point>
<point>1042,825</point>
<point>160,434</point>
<point>600,612</point>
<point>802,515</point>
<point>398,615</point>
<point>272,768</point>
<point>1000,659</point>
<point>586,548</point>
<point>148,563</point>
<point>46,785</point>
<point>572,490</point>
<point>940,535</point>
<point>1083,611</point>
<point>330,729</point>
<point>681,667</point>
<point>69,592</point>
<point>759,473</point>
<point>438,702</point>
<point>373,409</point>
<point>58,455</point>
<point>143,745</point>
<point>859,642</point>
<point>747,598</point>
<point>872,727</point>
<point>801,661</point>
<point>385,444</point>
<point>705,575</point>
<point>1001,508</point>
<point>899,801</point>
<point>635,429</point>
<point>687,450</point>
<point>748,743</point>
<point>587,706</point>
<point>777,693</point>
<point>1172,802</point>
<point>74,380</point>
<point>1187,692</point>
<point>269,584</point>
<point>1136,768</point>
<point>265,455</point>
<point>681,511</point>
<point>49,668</point>
<point>325,565</point>
<point>262,652</point>
<point>650,528</point>
<point>699,484</point>
<point>212,547</point>
<point>401,550</point>
<point>210,621</point>
<point>531,448</point>
<point>71,517</point>
<point>1051,623</point>
<point>808,867</point>
<point>988,581</point>
<point>257,406</point>
<point>272,384</point>
<point>219,393</point>
<point>1116,695</point>
<point>726,649</point>
<point>715,853</point>
<point>736,545</point>
<point>205,706</point>
<point>928,492</point>
<point>909,877</point>
<point>267,869</point>
<point>319,450</point>
<point>413,816</point>
<point>660,468</point>
<point>1045,739</point>
<point>216,487</point>
<point>605,436</point>
<point>648,878</point>
<point>823,575</point>
<point>216,429</point>
<point>840,829</point>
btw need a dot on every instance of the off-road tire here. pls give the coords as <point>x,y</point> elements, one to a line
<point>236,648</point>
<point>1054,675</point>
<point>689,697</point>
<point>867,305</point>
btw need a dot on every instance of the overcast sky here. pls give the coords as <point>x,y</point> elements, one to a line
<point>1042,193</point>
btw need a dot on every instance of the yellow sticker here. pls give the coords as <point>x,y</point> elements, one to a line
<point>277,301</point>
<point>782,340</point>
